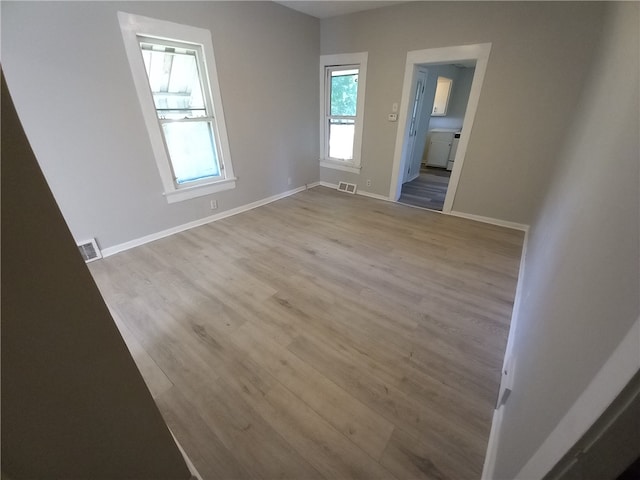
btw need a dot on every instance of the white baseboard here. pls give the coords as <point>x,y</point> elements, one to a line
<point>478,218</point>
<point>492,221</point>
<point>492,446</point>
<point>358,191</point>
<point>202,221</point>
<point>508,365</point>
<point>614,375</point>
<point>195,475</point>
<point>372,195</point>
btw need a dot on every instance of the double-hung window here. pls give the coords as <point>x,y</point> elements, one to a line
<point>175,77</point>
<point>342,90</point>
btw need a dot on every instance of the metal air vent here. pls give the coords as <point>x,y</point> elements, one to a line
<point>89,250</point>
<point>347,187</point>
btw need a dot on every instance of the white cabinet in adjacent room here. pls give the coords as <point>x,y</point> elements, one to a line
<point>439,148</point>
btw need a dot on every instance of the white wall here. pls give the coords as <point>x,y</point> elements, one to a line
<point>66,66</point>
<point>580,291</point>
<point>540,54</point>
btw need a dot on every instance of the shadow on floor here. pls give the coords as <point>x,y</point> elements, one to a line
<point>428,190</point>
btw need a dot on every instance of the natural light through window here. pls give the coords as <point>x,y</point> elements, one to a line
<point>342,112</point>
<point>176,87</point>
<point>176,80</point>
<point>342,104</point>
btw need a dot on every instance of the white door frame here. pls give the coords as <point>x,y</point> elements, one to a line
<point>478,52</point>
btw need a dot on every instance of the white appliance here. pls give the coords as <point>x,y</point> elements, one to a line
<point>452,152</point>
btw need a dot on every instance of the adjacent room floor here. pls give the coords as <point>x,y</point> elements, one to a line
<point>428,190</point>
<point>324,335</point>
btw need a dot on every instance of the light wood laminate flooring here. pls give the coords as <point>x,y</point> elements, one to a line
<point>324,335</point>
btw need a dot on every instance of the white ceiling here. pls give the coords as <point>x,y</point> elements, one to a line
<point>333,8</point>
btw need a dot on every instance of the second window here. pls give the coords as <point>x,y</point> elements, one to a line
<point>342,104</point>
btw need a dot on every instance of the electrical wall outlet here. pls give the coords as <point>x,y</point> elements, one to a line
<point>368,182</point>
<point>213,204</point>
<point>289,181</point>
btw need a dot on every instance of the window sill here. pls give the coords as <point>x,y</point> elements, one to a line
<point>187,193</point>
<point>344,166</point>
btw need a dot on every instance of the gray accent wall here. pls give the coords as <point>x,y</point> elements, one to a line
<point>580,289</point>
<point>540,55</point>
<point>73,89</point>
<point>66,66</point>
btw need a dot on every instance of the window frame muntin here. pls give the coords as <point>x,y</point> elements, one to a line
<point>337,68</point>
<point>202,70</point>
<point>339,61</point>
<point>208,107</point>
<point>134,27</point>
<point>328,116</point>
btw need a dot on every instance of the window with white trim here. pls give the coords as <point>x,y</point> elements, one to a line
<point>174,72</point>
<point>342,91</point>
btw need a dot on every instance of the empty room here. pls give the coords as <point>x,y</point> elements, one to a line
<point>210,268</point>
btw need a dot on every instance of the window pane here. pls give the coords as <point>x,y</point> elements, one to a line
<point>174,80</point>
<point>344,92</point>
<point>192,150</point>
<point>341,133</point>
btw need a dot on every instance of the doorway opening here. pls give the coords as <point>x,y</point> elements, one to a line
<point>439,101</point>
<point>437,114</point>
